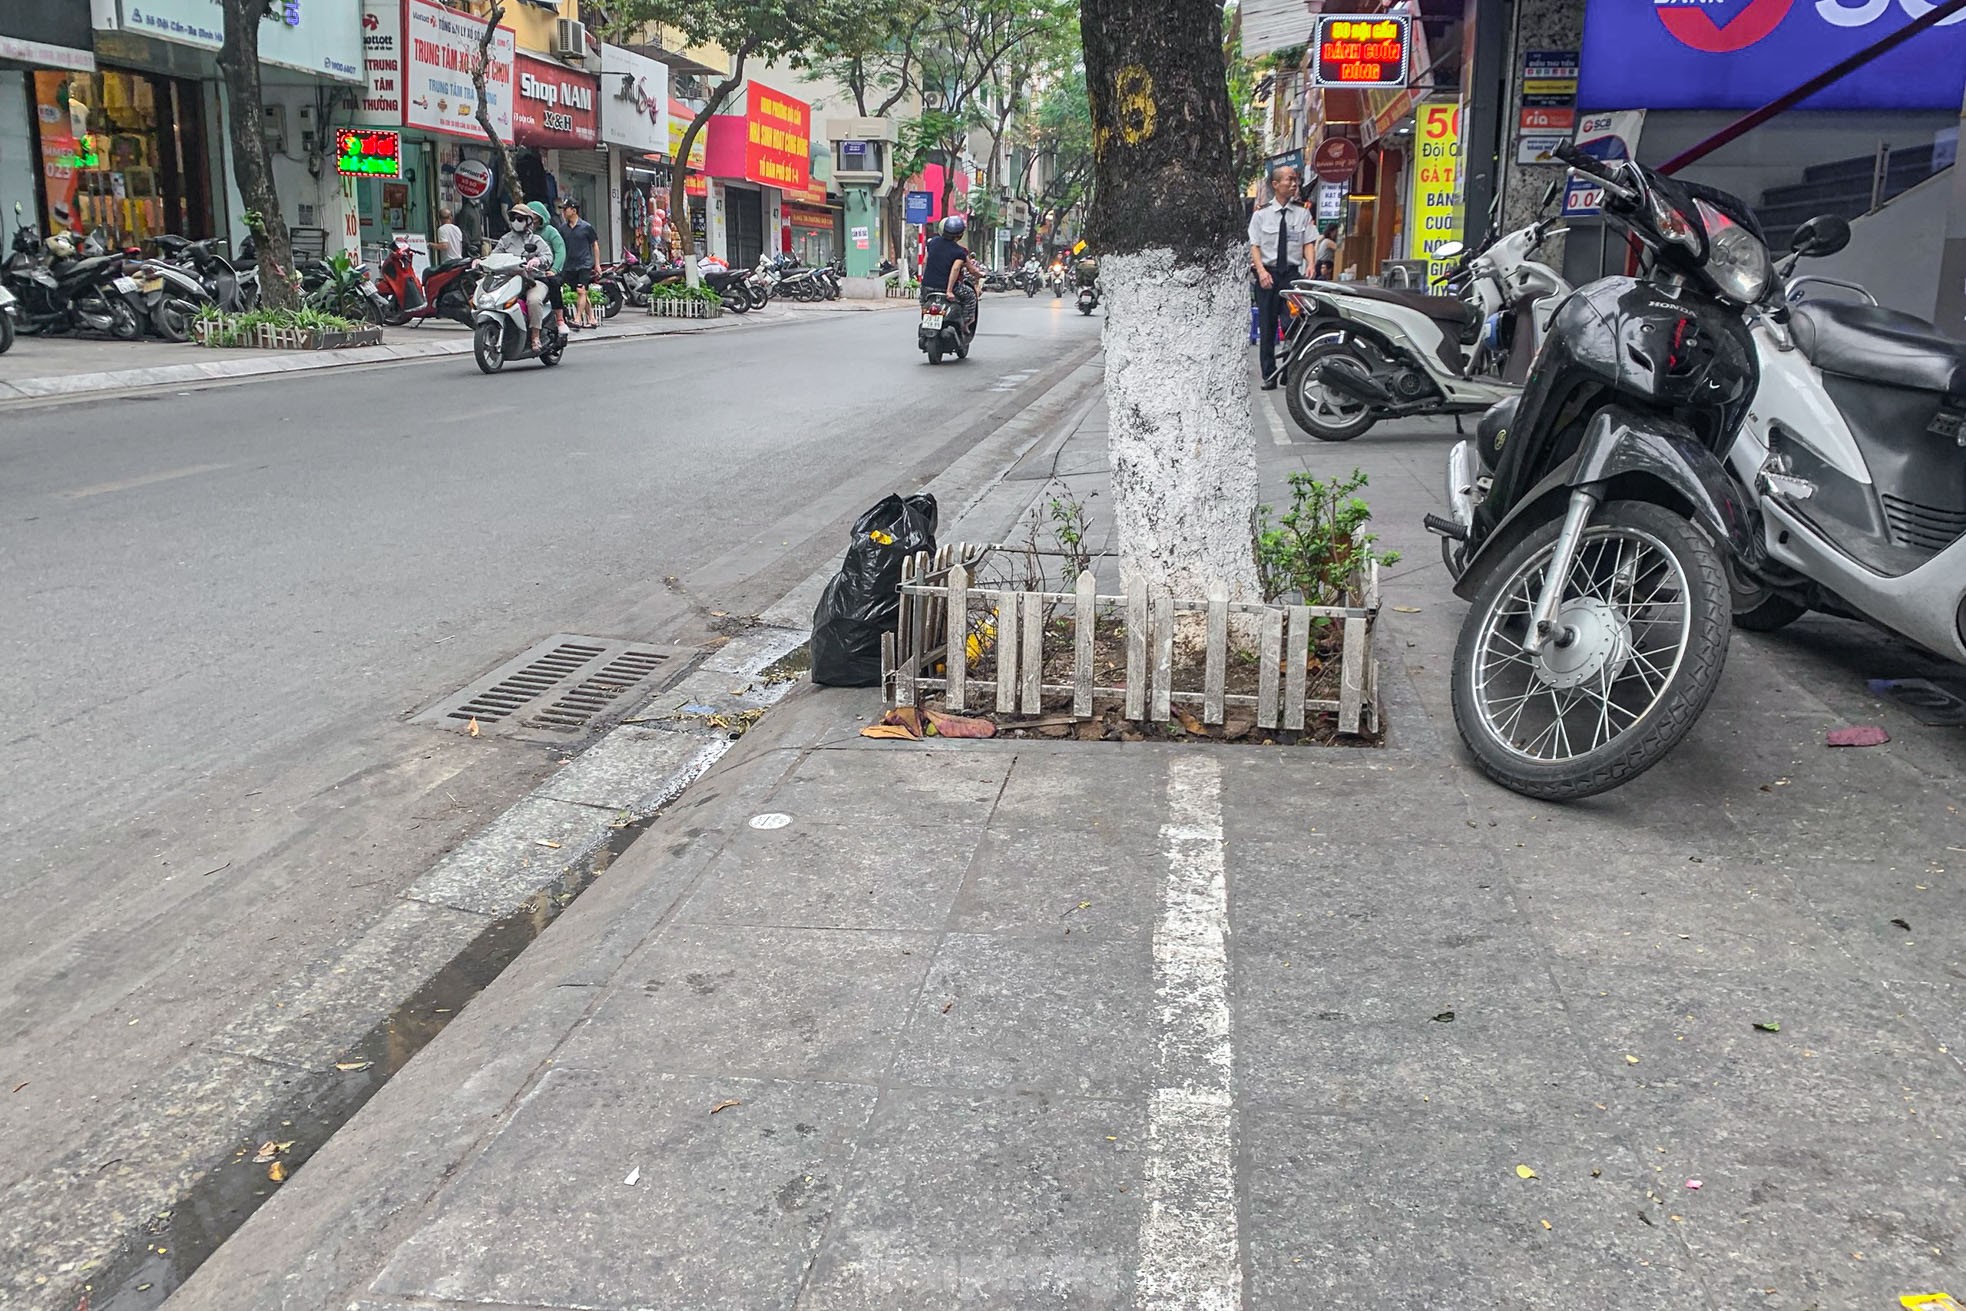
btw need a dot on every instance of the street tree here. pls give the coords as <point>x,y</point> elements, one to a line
<point>507,165</point>
<point>1061,142</point>
<point>1168,229</point>
<point>792,31</point>
<point>967,43</point>
<point>238,63</point>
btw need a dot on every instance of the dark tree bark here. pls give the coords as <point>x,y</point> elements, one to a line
<point>238,63</point>
<point>1162,127</point>
<point>507,164</point>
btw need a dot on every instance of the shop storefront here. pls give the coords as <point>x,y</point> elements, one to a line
<point>635,128</point>
<point>556,124</point>
<point>36,36</point>
<point>757,156</point>
<point>418,57</point>
<point>124,151</point>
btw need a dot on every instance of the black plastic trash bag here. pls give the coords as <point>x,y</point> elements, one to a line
<point>863,600</point>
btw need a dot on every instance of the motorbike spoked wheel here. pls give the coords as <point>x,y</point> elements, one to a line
<point>1322,411</point>
<point>1644,619</point>
<point>756,295</point>
<point>124,325</point>
<point>1757,607</point>
<point>488,347</point>
<point>611,299</point>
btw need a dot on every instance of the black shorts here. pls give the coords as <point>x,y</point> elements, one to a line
<point>579,277</point>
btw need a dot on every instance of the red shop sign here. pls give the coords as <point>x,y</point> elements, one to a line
<point>552,105</point>
<point>777,139</point>
<point>1335,159</point>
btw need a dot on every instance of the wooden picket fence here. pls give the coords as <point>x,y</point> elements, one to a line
<point>941,602</point>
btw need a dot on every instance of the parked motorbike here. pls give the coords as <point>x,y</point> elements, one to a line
<point>944,328</point>
<point>58,290</point>
<point>442,291</point>
<point>229,286</point>
<point>9,305</point>
<point>1355,353</point>
<point>1852,452</point>
<point>499,328</point>
<point>1592,515</point>
<point>729,284</point>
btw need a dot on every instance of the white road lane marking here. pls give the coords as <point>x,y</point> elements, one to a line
<point>142,480</point>
<point>1278,434</point>
<point>1190,1247</point>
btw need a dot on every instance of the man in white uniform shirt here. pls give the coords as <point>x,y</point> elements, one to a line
<point>1280,237</point>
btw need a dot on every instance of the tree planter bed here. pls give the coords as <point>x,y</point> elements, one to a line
<point>265,336</point>
<point>1053,655</point>
<point>676,307</point>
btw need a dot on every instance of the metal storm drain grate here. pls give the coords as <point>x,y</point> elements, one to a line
<point>563,685</point>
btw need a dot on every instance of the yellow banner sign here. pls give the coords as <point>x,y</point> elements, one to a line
<point>1433,210</point>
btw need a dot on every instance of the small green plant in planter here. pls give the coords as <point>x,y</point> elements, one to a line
<point>239,329</point>
<point>1313,550</point>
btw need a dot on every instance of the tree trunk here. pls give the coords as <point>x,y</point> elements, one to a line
<point>507,164</point>
<point>1168,230</point>
<point>679,177</point>
<point>238,63</point>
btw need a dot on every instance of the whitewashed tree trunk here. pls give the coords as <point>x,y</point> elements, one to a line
<point>1182,452</point>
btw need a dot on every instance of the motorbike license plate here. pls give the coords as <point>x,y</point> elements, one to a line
<point>931,318</point>
<point>126,285</point>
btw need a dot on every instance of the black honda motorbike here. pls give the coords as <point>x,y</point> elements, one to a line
<point>58,291</point>
<point>1593,517</point>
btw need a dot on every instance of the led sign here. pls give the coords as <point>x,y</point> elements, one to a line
<point>1361,50</point>
<point>368,152</point>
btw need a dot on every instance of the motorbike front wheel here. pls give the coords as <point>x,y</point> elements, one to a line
<point>488,346</point>
<point>172,318</point>
<point>124,325</point>
<point>611,299</point>
<point>390,313</point>
<point>1324,412</point>
<point>1642,627</point>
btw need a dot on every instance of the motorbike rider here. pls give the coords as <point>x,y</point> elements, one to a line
<point>555,298</point>
<point>523,239</point>
<point>949,269</point>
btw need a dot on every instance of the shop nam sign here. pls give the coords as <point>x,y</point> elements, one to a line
<point>554,106</point>
<point>440,47</point>
<point>1361,50</point>
<point>777,140</point>
<point>1433,215</point>
<point>368,152</point>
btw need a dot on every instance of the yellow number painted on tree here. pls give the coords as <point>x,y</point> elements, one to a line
<point>1134,90</point>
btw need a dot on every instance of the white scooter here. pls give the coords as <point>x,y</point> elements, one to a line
<point>1356,353</point>
<point>1855,451</point>
<point>498,318</point>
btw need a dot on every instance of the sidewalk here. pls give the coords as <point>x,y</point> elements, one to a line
<point>39,368</point>
<point>1019,1024</point>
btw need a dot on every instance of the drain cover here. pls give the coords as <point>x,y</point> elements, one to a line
<point>562,685</point>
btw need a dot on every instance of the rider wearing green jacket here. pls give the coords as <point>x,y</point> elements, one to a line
<point>555,298</point>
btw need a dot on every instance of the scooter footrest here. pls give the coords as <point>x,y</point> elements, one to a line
<point>1445,527</point>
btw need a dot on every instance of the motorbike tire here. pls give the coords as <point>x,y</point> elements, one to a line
<point>124,325</point>
<point>832,290</point>
<point>552,357</point>
<point>1058,293</point>
<point>935,352</point>
<point>488,347</point>
<point>171,320</point>
<point>962,346</point>
<point>1759,609</point>
<point>1687,686</point>
<point>736,300</point>
<point>1325,427</point>
<point>611,299</point>
<point>1085,308</point>
<point>6,331</point>
<point>1030,291</point>
<point>757,296</point>
<point>389,314</point>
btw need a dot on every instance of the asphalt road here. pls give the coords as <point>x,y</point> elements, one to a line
<point>223,604</point>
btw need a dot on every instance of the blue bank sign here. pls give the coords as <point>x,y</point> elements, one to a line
<point>1738,54</point>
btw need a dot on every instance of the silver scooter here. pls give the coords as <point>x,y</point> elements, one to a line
<point>1855,451</point>
<point>1356,353</point>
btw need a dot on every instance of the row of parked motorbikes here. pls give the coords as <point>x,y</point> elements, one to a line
<point>1712,442</point>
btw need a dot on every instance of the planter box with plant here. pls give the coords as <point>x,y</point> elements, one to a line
<point>984,628</point>
<point>298,330</point>
<point>675,300</point>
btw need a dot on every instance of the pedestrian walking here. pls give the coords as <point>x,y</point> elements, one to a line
<point>450,237</point>
<point>471,222</point>
<point>583,246</point>
<point>1279,250</point>
<point>1324,262</point>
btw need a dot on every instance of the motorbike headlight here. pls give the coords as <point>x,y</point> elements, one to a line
<point>1737,261</point>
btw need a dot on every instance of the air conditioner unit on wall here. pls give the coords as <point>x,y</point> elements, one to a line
<point>570,40</point>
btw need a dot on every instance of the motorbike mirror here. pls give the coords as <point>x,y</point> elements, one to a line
<point>1823,235</point>
<point>1551,192</point>
<point>1450,250</point>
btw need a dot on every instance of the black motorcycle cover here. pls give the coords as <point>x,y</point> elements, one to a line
<point>863,600</point>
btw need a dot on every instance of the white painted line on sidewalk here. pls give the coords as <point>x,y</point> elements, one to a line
<point>1278,435</point>
<point>1190,1247</point>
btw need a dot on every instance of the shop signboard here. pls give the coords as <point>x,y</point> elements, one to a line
<point>1330,201</point>
<point>313,36</point>
<point>47,34</point>
<point>1741,54</point>
<point>440,48</point>
<point>1433,214</point>
<point>1609,136</point>
<point>554,106</point>
<point>916,206</point>
<point>381,100</point>
<point>1335,159</point>
<point>680,117</point>
<point>636,91</point>
<point>1361,50</point>
<point>368,152</point>
<point>777,139</point>
<point>1549,99</point>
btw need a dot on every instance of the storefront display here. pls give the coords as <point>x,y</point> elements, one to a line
<point>122,151</point>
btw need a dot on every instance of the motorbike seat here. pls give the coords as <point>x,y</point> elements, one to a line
<point>446,266</point>
<point>1878,345</point>
<point>1451,310</point>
